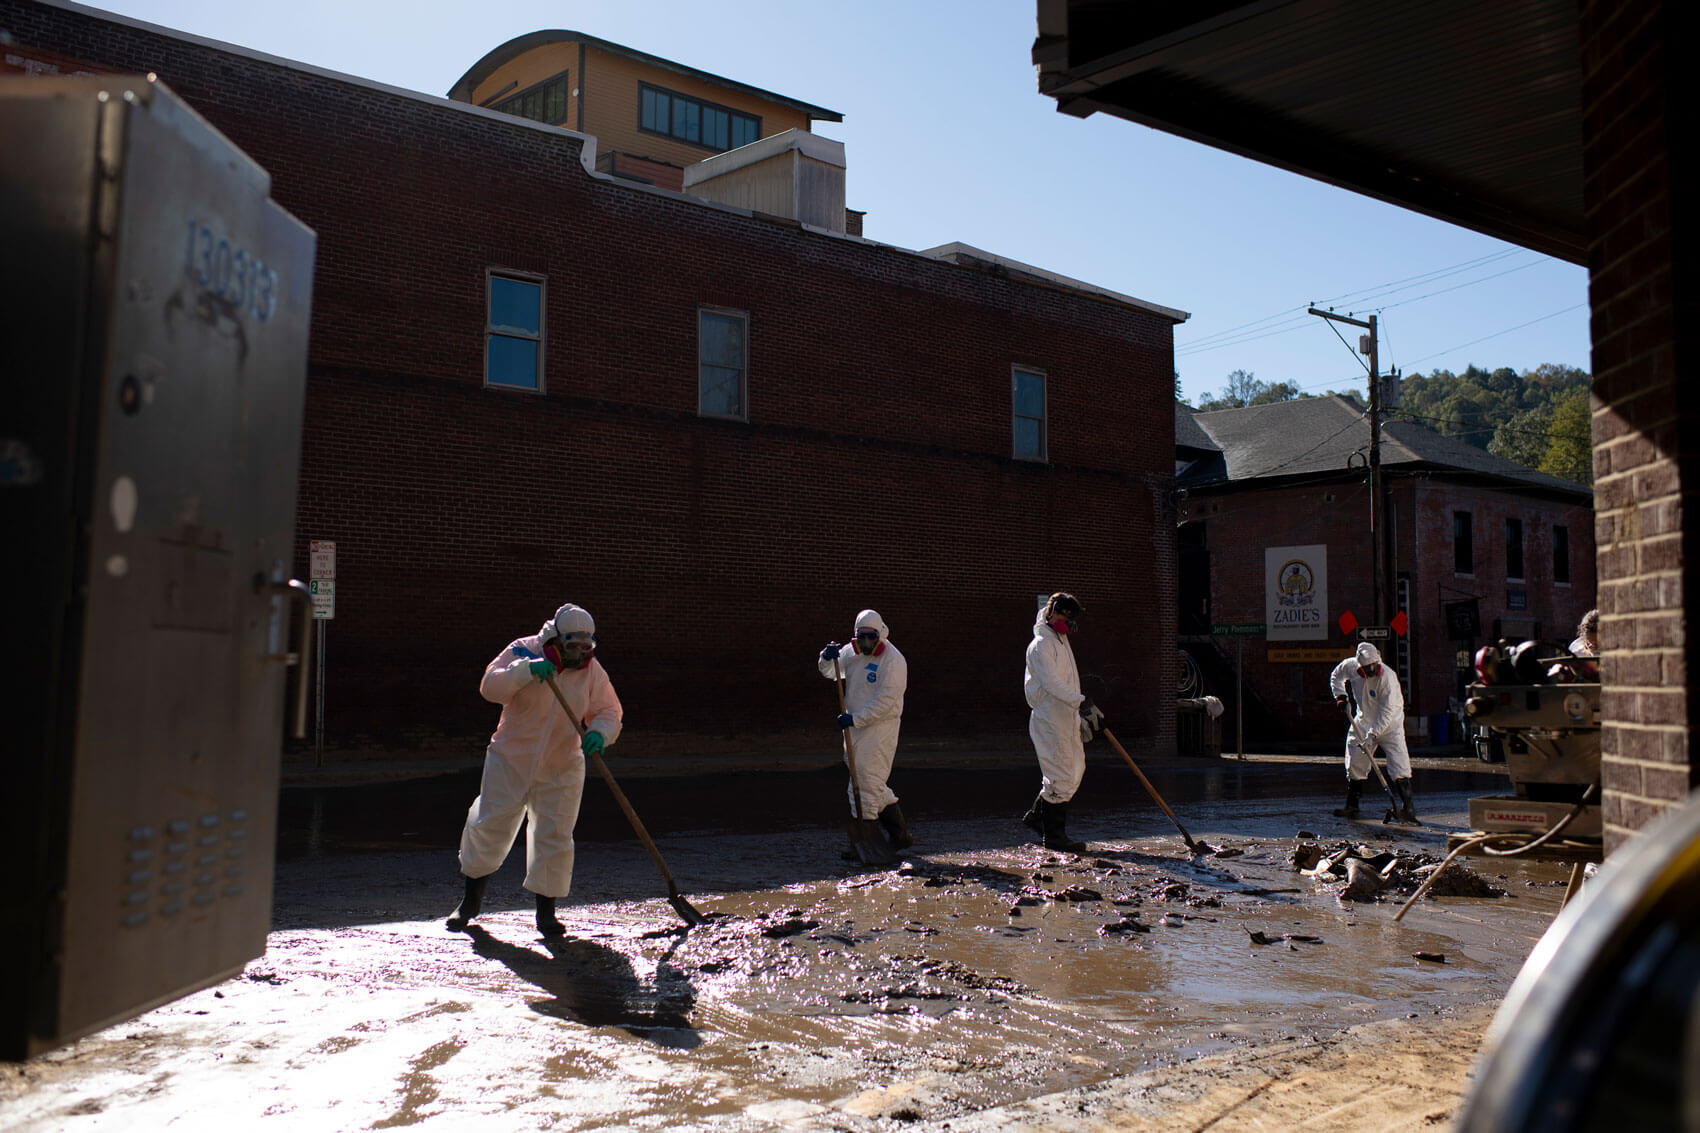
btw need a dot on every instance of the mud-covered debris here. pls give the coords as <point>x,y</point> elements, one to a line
<point>1203,902</point>
<point>1363,881</point>
<point>1078,893</point>
<point>907,991</point>
<point>790,927</point>
<point>971,978</point>
<point>1305,855</point>
<point>1301,938</point>
<point>1107,866</point>
<point>1306,834</point>
<point>1431,957</point>
<point>263,976</point>
<point>1227,851</point>
<point>1258,937</point>
<point>1038,875</point>
<point>1027,899</point>
<point>1170,891</point>
<point>1330,863</point>
<point>1457,881</point>
<point>1123,926</point>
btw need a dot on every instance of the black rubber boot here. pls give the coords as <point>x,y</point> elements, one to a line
<point>891,818</point>
<point>1407,805</point>
<point>1056,837</point>
<point>1034,819</point>
<point>547,923</point>
<point>471,903</point>
<point>1354,794</point>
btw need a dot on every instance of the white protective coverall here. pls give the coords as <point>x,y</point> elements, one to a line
<point>873,695</point>
<point>534,767</point>
<point>1052,684</point>
<point>1380,716</point>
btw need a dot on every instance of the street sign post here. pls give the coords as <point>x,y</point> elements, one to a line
<point>321,587</point>
<point>1374,633</point>
<point>1240,629</point>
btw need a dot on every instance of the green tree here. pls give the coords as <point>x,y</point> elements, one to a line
<point>1570,447</point>
<point>1524,437</point>
<point>1280,391</point>
<point>1241,387</point>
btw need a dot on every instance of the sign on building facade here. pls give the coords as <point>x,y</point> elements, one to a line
<point>1295,588</point>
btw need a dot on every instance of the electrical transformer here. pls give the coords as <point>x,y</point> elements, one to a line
<point>156,305</point>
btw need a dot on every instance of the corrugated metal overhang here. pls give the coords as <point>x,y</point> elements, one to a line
<point>1466,110</point>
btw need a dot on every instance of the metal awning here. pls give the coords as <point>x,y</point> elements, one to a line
<point>1466,110</point>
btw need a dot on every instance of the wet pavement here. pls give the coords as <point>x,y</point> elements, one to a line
<point>981,975</point>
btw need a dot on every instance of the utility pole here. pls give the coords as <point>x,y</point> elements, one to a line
<point>1367,344</point>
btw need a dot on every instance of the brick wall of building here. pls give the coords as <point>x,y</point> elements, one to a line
<point>1638,96</point>
<point>716,555</point>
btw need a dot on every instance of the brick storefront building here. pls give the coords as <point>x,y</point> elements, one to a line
<point>872,464</point>
<point>1465,526</point>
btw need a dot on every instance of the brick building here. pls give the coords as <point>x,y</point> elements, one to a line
<point>1466,529</point>
<point>722,432</point>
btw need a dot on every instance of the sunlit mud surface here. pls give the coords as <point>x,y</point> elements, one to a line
<point>978,973</point>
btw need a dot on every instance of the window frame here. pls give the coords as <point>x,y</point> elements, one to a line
<point>1463,563</point>
<point>1515,522</point>
<point>492,330</point>
<point>1016,371</point>
<point>1561,554</point>
<point>566,100</point>
<point>742,317</point>
<point>732,115</point>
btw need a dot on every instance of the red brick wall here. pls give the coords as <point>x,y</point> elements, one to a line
<point>1242,523</point>
<point>717,556</point>
<point>1638,97</point>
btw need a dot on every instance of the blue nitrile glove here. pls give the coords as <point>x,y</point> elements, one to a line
<point>593,743</point>
<point>541,670</point>
<point>829,651</point>
<point>845,720</point>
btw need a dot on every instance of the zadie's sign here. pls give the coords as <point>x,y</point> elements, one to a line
<point>1295,588</point>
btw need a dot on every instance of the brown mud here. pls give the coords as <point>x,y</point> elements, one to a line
<point>984,982</point>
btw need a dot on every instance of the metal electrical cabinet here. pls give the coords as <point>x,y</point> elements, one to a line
<point>156,308</point>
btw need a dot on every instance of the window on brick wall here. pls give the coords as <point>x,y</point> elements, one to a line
<point>722,362</point>
<point>1463,545</point>
<point>1514,549</point>
<point>692,120</point>
<point>546,102</point>
<point>1561,554</point>
<point>513,330</point>
<point>1027,404</point>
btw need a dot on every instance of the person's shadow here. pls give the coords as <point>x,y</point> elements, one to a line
<point>595,985</point>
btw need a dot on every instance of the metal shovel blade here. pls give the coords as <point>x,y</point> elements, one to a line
<point>868,840</point>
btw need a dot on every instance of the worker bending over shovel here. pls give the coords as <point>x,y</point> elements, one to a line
<point>1061,722</point>
<point>875,678</point>
<point>1379,721</point>
<point>534,766</point>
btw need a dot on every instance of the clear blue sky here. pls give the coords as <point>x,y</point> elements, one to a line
<point>948,139</point>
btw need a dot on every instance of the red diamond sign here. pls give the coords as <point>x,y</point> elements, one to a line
<point>1347,623</point>
<point>1400,623</point>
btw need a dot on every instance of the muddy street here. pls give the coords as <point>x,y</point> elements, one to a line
<point>982,983</point>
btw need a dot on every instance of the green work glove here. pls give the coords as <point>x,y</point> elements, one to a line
<point>541,670</point>
<point>593,743</point>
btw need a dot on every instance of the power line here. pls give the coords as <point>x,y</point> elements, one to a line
<point>1497,334</point>
<point>1255,329</point>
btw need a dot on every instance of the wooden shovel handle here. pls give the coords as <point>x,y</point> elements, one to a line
<point>614,789</point>
<point>849,748</point>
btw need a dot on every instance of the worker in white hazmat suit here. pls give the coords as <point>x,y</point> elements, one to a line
<point>1061,722</point>
<point>876,676</point>
<point>534,766</point>
<point>1368,689</point>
